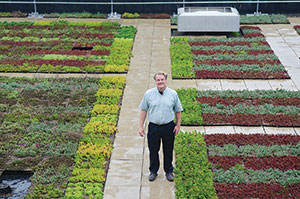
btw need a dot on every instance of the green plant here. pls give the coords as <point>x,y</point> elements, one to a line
<point>194,178</point>
<point>181,58</point>
<point>192,110</point>
<point>130,15</point>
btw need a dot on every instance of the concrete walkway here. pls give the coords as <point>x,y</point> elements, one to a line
<point>128,170</point>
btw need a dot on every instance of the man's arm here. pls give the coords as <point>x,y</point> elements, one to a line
<point>142,120</point>
<point>178,123</point>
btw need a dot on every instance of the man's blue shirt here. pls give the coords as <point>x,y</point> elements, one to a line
<point>161,107</point>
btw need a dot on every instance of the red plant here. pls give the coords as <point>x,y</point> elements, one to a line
<point>69,52</point>
<point>282,120</point>
<point>251,27</point>
<point>208,74</point>
<point>236,62</point>
<point>54,62</point>
<point>254,34</point>
<point>242,139</point>
<point>258,190</point>
<point>232,43</point>
<point>213,101</point>
<point>282,163</point>
<point>230,52</point>
<point>236,119</point>
<point>297,27</point>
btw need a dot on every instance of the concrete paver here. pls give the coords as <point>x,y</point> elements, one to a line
<point>297,130</point>
<point>155,192</point>
<point>249,130</point>
<point>209,84</point>
<point>132,192</point>
<point>125,172</point>
<point>279,130</point>
<point>283,84</point>
<point>233,84</point>
<point>219,129</point>
<point>257,84</point>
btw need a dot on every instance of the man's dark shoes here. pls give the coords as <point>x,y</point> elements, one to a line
<point>152,176</point>
<point>170,177</point>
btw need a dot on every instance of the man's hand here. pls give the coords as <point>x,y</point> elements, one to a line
<point>142,131</point>
<point>142,120</point>
<point>176,129</point>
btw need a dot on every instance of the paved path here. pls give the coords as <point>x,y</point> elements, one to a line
<point>128,171</point>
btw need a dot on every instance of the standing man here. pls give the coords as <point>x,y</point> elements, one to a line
<point>161,104</point>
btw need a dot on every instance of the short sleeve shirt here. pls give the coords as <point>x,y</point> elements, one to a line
<point>161,108</point>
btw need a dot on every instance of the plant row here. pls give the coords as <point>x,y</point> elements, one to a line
<point>252,139</point>
<point>96,142</point>
<point>258,107</point>
<point>238,174</point>
<point>247,166</point>
<point>283,163</point>
<point>254,150</point>
<point>257,190</point>
<point>25,49</point>
<point>233,58</point>
<point>194,178</point>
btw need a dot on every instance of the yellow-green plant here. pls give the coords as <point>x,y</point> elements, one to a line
<point>99,127</point>
<point>104,109</point>
<point>112,82</point>
<point>120,52</point>
<point>88,175</point>
<point>130,15</point>
<point>116,68</point>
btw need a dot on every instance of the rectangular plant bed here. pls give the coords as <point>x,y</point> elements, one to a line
<point>65,47</point>
<point>237,166</point>
<point>246,108</point>
<point>247,57</point>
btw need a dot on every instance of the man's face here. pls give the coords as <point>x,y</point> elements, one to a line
<point>161,82</point>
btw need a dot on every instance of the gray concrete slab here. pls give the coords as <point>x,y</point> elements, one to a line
<point>249,130</point>
<point>280,130</point>
<point>219,129</point>
<point>150,55</point>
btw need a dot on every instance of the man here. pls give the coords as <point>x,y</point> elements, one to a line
<point>161,104</point>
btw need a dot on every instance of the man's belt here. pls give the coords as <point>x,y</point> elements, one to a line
<point>161,124</point>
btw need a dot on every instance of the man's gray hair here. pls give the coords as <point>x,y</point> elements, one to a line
<point>160,73</point>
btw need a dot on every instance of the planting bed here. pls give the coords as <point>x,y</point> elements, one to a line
<point>247,57</point>
<point>247,108</point>
<point>41,125</point>
<point>237,166</point>
<point>255,166</point>
<point>61,46</point>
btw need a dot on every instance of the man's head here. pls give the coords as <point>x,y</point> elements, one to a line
<point>161,80</point>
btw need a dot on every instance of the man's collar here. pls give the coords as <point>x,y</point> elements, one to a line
<point>161,92</point>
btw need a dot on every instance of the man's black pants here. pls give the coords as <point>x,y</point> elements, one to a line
<point>156,133</point>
